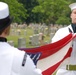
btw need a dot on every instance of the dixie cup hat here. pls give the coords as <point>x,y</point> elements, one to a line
<point>72,6</point>
<point>5,19</point>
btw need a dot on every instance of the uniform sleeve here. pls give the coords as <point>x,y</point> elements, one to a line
<point>61,33</point>
<point>29,68</point>
<point>23,65</point>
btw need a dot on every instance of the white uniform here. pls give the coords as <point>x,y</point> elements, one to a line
<point>62,32</point>
<point>15,62</point>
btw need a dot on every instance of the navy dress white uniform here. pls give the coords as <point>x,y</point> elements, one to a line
<point>69,69</point>
<point>15,62</point>
<point>12,60</point>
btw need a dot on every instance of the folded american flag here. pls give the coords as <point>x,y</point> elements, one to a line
<point>52,56</point>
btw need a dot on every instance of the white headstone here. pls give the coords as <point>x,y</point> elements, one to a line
<point>21,42</point>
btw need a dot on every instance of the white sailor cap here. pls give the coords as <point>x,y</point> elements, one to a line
<point>72,6</point>
<point>5,19</point>
<point>4,10</point>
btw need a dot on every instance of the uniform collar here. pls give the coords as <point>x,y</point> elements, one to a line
<point>74,27</point>
<point>2,39</point>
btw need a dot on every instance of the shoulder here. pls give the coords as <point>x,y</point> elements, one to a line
<point>61,33</point>
<point>64,29</point>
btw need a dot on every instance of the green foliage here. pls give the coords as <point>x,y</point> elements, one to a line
<point>63,20</point>
<point>53,10</point>
<point>29,5</point>
<point>40,11</point>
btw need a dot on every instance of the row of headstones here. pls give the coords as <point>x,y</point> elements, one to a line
<point>18,26</point>
<point>37,28</point>
<point>17,32</point>
<point>34,40</point>
<point>34,26</point>
<point>44,31</point>
<point>22,41</point>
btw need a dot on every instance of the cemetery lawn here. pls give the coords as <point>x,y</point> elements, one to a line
<point>29,32</point>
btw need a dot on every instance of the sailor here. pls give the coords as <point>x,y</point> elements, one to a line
<point>12,60</point>
<point>69,69</point>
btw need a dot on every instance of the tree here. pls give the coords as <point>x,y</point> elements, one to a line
<point>53,10</point>
<point>29,5</point>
